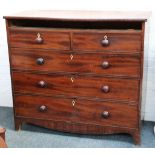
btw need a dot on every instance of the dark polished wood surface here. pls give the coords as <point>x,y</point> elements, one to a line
<point>117,42</point>
<point>75,75</point>
<point>48,40</point>
<point>119,64</point>
<point>76,110</point>
<point>74,85</point>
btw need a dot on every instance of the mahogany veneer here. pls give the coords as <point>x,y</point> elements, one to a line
<point>78,72</point>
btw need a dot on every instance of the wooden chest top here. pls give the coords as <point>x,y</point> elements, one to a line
<point>82,15</point>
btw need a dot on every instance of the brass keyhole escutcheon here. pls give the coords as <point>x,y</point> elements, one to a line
<point>105,37</point>
<point>39,39</point>
<point>38,35</point>
<point>105,42</point>
<point>73,103</point>
<point>72,79</point>
<point>71,56</point>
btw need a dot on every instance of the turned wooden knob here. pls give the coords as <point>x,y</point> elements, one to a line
<point>42,108</point>
<point>42,84</point>
<point>40,61</point>
<point>105,64</point>
<point>105,41</point>
<point>105,89</point>
<point>105,114</point>
<point>39,39</point>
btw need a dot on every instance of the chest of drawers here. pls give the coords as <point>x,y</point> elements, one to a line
<point>78,72</point>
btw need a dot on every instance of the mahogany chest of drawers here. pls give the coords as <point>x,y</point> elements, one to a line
<point>78,72</point>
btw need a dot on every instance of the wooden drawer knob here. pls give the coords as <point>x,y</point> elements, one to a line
<point>105,89</point>
<point>105,64</point>
<point>40,61</point>
<point>42,84</point>
<point>105,41</point>
<point>105,114</point>
<point>39,39</point>
<point>42,108</point>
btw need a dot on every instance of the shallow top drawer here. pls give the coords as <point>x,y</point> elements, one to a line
<point>117,41</point>
<point>39,38</point>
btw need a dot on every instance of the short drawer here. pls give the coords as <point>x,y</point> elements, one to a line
<point>39,39</point>
<point>94,63</point>
<point>74,85</point>
<point>107,41</point>
<point>76,110</point>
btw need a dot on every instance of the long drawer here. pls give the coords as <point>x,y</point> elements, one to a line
<point>76,110</point>
<point>39,39</point>
<point>58,61</point>
<point>76,85</point>
<point>107,41</point>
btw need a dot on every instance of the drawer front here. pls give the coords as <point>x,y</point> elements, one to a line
<point>70,85</point>
<point>96,63</point>
<point>39,39</point>
<point>107,41</point>
<point>77,110</point>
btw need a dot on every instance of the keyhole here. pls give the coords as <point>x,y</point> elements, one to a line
<point>38,35</point>
<point>72,79</point>
<point>71,56</point>
<point>105,37</point>
<point>73,103</point>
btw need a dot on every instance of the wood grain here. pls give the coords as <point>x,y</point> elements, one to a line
<point>74,62</point>
<point>91,87</point>
<point>27,39</point>
<point>118,42</point>
<point>83,111</point>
